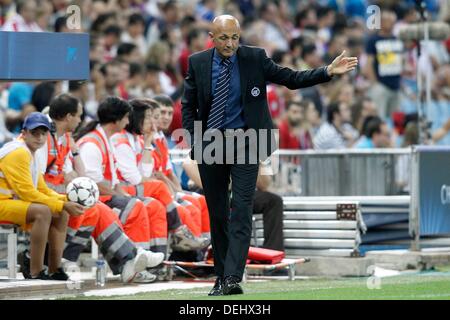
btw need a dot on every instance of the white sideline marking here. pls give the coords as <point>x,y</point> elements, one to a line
<point>152,287</point>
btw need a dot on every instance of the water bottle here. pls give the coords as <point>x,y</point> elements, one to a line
<point>100,274</point>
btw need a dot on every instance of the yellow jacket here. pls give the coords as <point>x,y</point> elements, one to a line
<point>16,181</point>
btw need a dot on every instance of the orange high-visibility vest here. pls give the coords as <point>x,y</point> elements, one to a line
<point>120,139</point>
<point>56,157</point>
<point>96,138</point>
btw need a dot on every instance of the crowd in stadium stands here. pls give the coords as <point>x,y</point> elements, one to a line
<point>139,49</point>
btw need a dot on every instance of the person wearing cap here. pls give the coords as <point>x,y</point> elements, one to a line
<point>26,200</point>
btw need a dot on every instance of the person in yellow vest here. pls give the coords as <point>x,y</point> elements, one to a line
<point>26,200</point>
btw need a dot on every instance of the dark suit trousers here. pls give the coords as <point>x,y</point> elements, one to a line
<point>271,206</point>
<point>230,229</point>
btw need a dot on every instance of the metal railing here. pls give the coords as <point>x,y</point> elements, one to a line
<point>348,172</point>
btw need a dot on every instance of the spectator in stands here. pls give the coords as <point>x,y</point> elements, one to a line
<point>159,54</point>
<point>361,109</point>
<point>152,84</point>
<point>384,66</point>
<point>337,44</point>
<point>112,73</point>
<point>206,10</point>
<point>111,40</point>
<point>274,34</point>
<point>5,134</point>
<point>334,134</point>
<point>135,33</point>
<point>7,10</point>
<point>61,25</point>
<point>43,93</point>
<point>43,13</point>
<point>25,19</point>
<point>134,83</point>
<point>376,134</point>
<point>294,134</point>
<point>313,120</point>
<point>19,104</point>
<point>311,59</point>
<point>196,41</point>
<point>129,52</point>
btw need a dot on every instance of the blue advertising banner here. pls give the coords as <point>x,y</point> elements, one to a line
<point>434,190</point>
<point>44,56</point>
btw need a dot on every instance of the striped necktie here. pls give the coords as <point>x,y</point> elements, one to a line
<point>220,98</point>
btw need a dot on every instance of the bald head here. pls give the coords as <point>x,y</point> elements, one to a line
<point>225,22</point>
<point>225,33</point>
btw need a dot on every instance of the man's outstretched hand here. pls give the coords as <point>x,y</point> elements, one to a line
<point>342,64</point>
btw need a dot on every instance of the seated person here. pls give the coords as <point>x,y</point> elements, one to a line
<point>26,200</point>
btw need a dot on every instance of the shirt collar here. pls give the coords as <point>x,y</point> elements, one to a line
<point>218,59</point>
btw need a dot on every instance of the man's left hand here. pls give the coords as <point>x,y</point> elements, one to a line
<point>342,64</point>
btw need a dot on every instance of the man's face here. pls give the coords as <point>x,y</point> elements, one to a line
<point>136,30</point>
<point>166,117</point>
<point>35,138</point>
<point>382,139</point>
<point>225,37</point>
<point>388,20</point>
<point>73,120</point>
<point>113,76</point>
<point>295,115</point>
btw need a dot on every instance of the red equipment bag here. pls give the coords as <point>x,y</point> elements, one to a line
<point>265,256</point>
<point>255,255</point>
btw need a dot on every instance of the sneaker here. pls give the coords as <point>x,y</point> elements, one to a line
<point>184,240</point>
<point>68,265</point>
<point>144,277</point>
<point>43,275</point>
<point>153,258</point>
<point>59,275</point>
<point>134,266</point>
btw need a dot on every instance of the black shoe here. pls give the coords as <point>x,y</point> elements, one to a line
<point>217,290</point>
<point>41,276</point>
<point>24,262</point>
<point>231,286</point>
<point>59,275</point>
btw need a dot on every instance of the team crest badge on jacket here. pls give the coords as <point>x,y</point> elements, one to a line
<point>255,91</point>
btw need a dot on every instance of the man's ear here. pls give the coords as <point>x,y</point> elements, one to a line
<point>211,35</point>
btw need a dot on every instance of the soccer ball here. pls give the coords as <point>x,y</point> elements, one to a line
<point>83,190</point>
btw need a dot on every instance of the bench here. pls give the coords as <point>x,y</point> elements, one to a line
<point>11,231</point>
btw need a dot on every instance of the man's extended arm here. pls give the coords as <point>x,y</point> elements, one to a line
<point>300,79</point>
<point>290,78</point>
